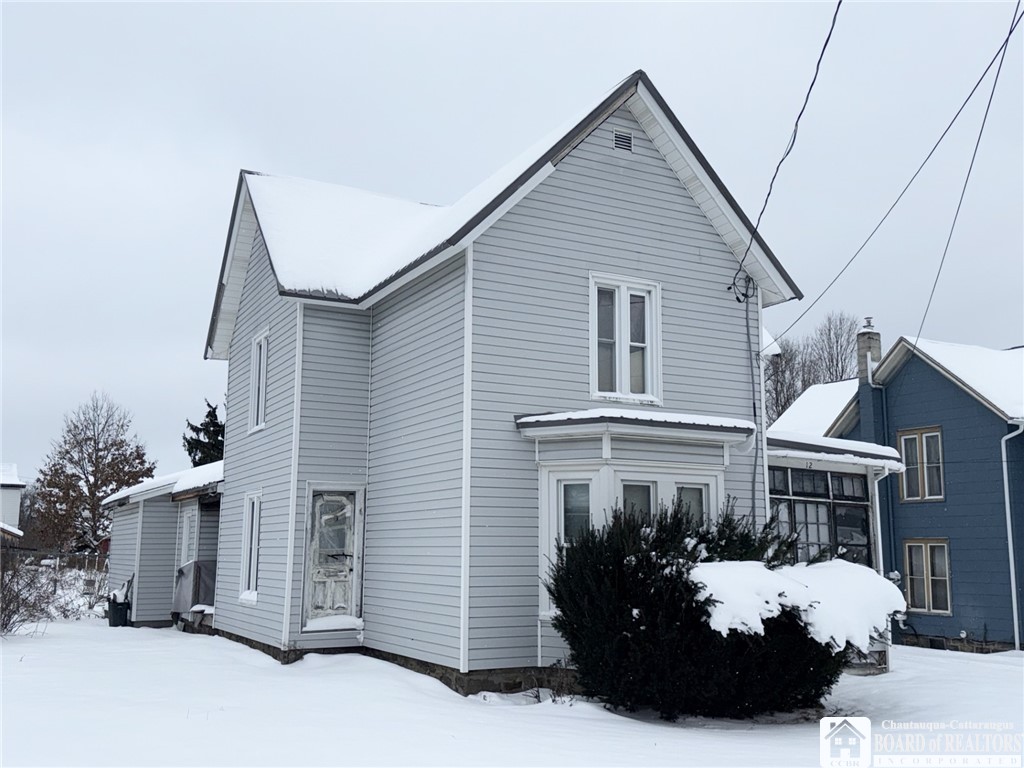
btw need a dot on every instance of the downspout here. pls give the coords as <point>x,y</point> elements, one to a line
<point>888,491</point>
<point>293,483</point>
<point>1009,531</point>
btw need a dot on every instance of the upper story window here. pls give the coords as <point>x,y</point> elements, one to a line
<point>625,355</point>
<point>921,450</point>
<point>258,382</point>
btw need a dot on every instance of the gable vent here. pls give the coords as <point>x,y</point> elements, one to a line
<point>624,140</point>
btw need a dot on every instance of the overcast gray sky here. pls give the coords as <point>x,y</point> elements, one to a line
<point>125,125</point>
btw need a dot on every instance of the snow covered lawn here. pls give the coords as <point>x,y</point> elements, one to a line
<point>86,694</point>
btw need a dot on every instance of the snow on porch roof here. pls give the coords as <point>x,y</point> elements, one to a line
<point>175,482</point>
<point>794,445</point>
<point>636,417</point>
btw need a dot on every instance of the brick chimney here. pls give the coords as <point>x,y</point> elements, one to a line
<point>869,342</point>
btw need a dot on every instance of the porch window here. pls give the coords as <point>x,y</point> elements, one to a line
<point>921,450</point>
<point>827,510</point>
<point>636,500</point>
<point>258,382</point>
<point>250,548</point>
<point>926,563</point>
<point>624,316</point>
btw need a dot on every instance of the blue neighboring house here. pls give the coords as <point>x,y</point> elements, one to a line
<point>953,522</point>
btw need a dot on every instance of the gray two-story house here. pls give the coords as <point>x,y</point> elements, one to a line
<point>421,398</point>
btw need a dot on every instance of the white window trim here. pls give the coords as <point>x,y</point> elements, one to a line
<point>606,491</point>
<point>919,436</point>
<point>623,286</point>
<point>249,591</point>
<point>186,529</point>
<point>258,381</point>
<point>927,544</point>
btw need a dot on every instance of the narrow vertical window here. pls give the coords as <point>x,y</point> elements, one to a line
<point>938,577</point>
<point>932,466</point>
<point>258,382</point>
<point>637,343</point>
<point>912,475</point>
<point>575,500</point>
<point>249,579</point>
<point>606,379</point>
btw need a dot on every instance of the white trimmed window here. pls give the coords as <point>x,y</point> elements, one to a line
<point>249,579</point>
<point>258,382</point>
<point>625,333</point>
<point>921,450</point>
<point>926,563</point>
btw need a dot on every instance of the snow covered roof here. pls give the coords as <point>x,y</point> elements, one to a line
<point>814,411</point>
<point>993,376</point>
<point>10,530</point>
<point>9,476</point>
<point>605,417</point>
<point>173,483</point>
<point>792,445</point>
<point>339,243</point>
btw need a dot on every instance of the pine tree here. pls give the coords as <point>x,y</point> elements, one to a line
<point>206,443</point>
<point>95,457</point>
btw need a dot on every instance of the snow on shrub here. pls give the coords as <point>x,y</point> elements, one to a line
<point>838,602</point>
<point>665,614</point>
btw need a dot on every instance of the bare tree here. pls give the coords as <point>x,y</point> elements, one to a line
<point>834,347</point>
<point>828,354</point>
<point>94,458</point>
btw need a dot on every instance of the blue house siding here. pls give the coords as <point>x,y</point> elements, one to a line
<point>971,515</point>
<point>1015,461</point>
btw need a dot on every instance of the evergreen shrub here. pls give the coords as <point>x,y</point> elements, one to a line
<point>637,629</point>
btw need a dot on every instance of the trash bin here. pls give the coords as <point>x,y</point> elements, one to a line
<point>117,613</point>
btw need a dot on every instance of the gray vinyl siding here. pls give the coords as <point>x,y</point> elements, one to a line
<point>677,453</point>
<point>607,211</point>
<point>257,461</point>
<point>209,524</point>
<point>551,451</point>
<point>553,647</point>
<point>411,580</point>
<point>158,561</point>
<point>333,421</point>
<point>124,535</point>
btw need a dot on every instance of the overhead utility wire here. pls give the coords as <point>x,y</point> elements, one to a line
<point>747,291</point>
<point>967,178</point>
<point>896,202</point>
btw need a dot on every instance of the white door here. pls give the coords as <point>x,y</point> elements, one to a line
<point>330,570</point>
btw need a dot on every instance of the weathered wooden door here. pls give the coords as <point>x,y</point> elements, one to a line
<point>332,555</point>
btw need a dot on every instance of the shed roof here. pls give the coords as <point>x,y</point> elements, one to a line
<point>175,482</point>
<point>342,244</point>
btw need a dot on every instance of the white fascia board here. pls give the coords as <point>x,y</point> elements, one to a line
<point>722,208</point>
<point>528,186</point>
<point>152,493</point>
<point>903,349</point>
<point>236,264</point>
<point>840,462</point>
<point>639,431</point>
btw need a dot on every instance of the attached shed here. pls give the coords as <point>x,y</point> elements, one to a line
<point>157,526</point>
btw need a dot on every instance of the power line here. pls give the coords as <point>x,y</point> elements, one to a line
<point>999,52</point>
<point>967,178</point>
<point>747,292</point>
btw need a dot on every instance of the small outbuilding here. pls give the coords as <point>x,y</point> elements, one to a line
<point>157,527</point>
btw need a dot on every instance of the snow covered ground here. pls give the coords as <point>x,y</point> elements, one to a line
<point>86,694</point>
